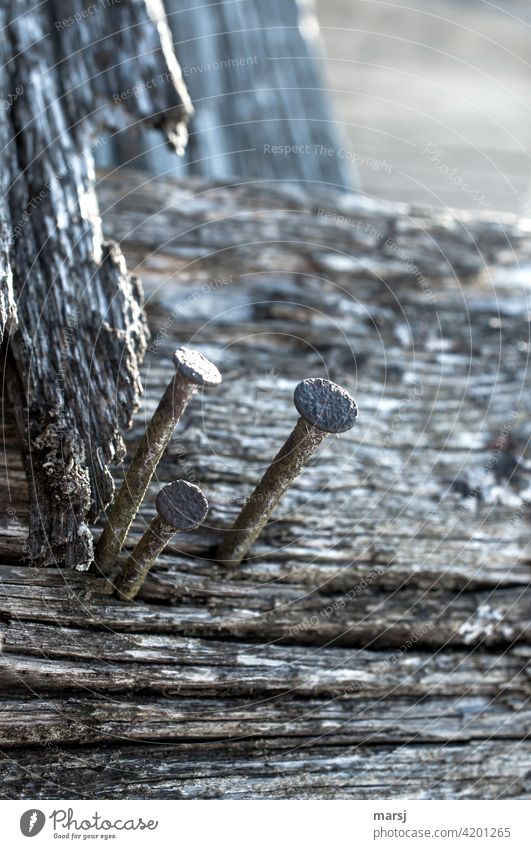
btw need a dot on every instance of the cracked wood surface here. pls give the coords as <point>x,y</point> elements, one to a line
<point>74,354</point>
<point>261,105</point>
<point>376,644</point>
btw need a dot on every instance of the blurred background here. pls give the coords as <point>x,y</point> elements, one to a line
<point>440,90</point>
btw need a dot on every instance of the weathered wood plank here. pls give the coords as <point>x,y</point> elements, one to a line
<point>69,658</point>
<point>272,769</point>
<point>340,720</point>
<point>198,226</point>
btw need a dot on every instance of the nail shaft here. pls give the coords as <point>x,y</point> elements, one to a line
<point>180,506</point>
<point>193,370</point>
<point>154,540</point>
<point>320,402</point>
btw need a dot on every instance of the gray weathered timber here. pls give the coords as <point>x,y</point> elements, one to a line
<point>271,769</point>
<point>367,611</point>
<point>376,644</point>
<point>75,354</point>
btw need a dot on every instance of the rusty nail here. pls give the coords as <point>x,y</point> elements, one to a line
<point>192,371</point>
<point>181,506</point>
<point>323,407</point>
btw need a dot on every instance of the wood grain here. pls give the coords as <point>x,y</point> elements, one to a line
<point>376,643</point>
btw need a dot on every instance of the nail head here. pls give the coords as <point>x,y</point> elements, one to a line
<point>195,368</point>
<point>182,505</point>
<point>325,405</point>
